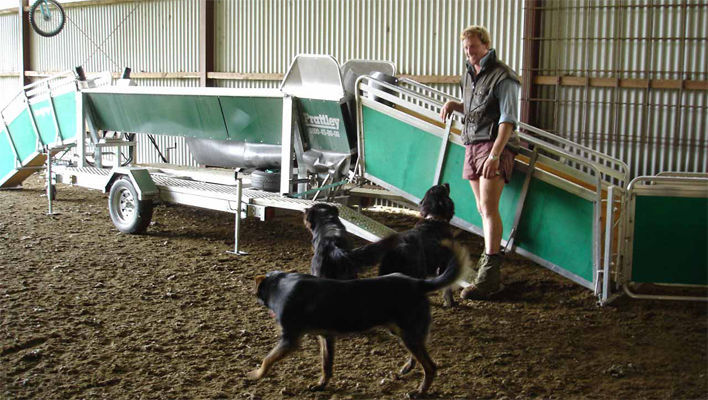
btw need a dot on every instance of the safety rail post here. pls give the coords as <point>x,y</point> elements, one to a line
<point>50,183</point>
<point>286,145</point>
<point>607,259</point>
<point>443,150</point>
<point>237,220</point>
<point>510,243</point>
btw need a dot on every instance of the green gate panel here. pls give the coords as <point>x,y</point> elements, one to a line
<point>7,156</point>
<point>670,240</point>
<point>461,191</point>
<point>65,107</point>
<point>23,136</point>
<point>253,119</point>
<point>398,153</point>
<point>191,116</point>
<point>45,121</point>
<point>324,125</point>
<point>557,226</point>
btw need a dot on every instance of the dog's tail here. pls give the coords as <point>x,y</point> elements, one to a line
<point>370,254</point>
<point>458,266</point>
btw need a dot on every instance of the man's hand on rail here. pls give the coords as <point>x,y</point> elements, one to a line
<point>449,107</point>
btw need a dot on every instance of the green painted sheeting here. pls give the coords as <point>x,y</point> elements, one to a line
<point>555,225</point>
<point>249,119</point>
<point>324,125</point>
<point>65,106</point>
<point>254,119</point>
<point>23,135</point>
<point>461,191</point>
<point>45,121</point>
<point>7,156</point>
<point>192,116</point>
<point>558,226</point>
<point>398,153</point>
<point>670,238</point>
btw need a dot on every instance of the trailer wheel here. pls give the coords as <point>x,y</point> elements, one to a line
<point>128,214</point>
<point>265,180</point>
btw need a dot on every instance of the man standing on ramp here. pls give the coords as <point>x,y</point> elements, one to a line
<point>490,107</point>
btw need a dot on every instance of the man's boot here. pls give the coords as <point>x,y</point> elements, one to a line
<point>488,281</point>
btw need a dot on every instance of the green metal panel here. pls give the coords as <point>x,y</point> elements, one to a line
<point>253,119</point>
<point>398,153</point>
<point>324,125</point>
<point>670,240</point>
<point>192,116</point>
<point>557,226</point>
<point>65,108</point>
<point>23,135</point>
<point>7,156</point>
<point>461,191</point>
<point>45,121</point>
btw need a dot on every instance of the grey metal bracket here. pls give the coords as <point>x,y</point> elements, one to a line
<point>50,183</point>
<point>237,218</point>
<point>59,138</point>
<point>299,148</point>
<point>609,219</point>
<point>443,150</point>
<point>286,146</point>
<point>510,244</point>
<point>40,143</point>
<point>18,161</point>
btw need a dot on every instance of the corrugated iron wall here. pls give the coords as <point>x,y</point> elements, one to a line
<point>9,48</point>
<point>420,37</point>
<point>149,36</point>
<point>627,78</point>
<point>628,43</point>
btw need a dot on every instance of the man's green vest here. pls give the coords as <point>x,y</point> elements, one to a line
<point>481,105</point>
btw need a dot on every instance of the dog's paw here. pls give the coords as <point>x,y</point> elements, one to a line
<point>406,369</point>
<point>317,388</point>
<point>255,374</point>
<point>449,303</point>
<point>416,394</point>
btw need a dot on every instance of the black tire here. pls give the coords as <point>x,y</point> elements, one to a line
<point>264,180</point>
<point>55,23</point>
<point>128,214</point>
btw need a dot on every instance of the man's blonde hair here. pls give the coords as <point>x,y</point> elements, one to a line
<point>479,32</point>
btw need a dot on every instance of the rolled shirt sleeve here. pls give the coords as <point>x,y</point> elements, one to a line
<point>507,91</point>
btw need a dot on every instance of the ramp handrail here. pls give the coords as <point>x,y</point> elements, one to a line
<point>617,169</point>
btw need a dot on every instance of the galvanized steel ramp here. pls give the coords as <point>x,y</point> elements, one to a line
<point>39,119</point>
<point>225,198</point>
<point>555,208</point>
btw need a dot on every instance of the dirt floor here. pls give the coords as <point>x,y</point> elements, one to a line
<point>87,312</point>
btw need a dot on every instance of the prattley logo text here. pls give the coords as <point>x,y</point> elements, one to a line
<point>322,124</point>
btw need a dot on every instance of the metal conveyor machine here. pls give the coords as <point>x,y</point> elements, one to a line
<point>568,207</point>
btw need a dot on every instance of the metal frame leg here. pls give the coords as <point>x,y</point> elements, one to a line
<point>237,221</point>
<point>50,183</point>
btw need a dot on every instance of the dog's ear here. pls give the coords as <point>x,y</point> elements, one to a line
<point>447,186</point>
<point>259,279</point>
<point>335,211</point>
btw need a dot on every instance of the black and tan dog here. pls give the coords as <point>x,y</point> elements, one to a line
<point>419,252</point>
<point>306,304</point>
<point>333,256</point>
